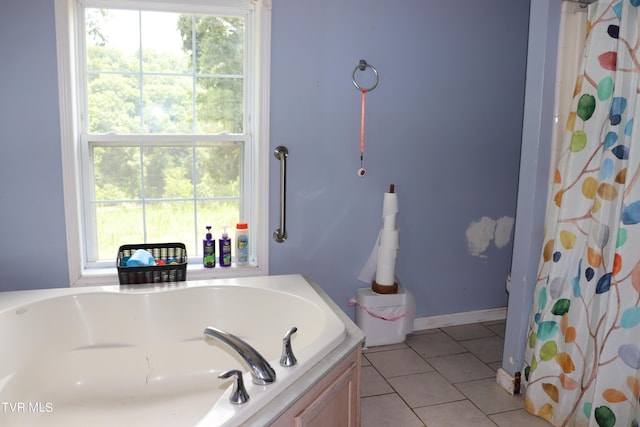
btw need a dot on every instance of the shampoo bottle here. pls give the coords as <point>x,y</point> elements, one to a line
<point>242,244</point>
<point>225,249</point>
<point>209,250</point>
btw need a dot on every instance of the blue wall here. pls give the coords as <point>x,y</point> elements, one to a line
<point>444,125</point>
<point>32,230</point>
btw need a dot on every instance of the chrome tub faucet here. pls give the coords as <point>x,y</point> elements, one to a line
<point>261,372</point>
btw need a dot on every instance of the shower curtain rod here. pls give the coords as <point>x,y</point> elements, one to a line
<point>585,2</point>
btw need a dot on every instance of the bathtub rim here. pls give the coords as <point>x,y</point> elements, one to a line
<point>352,336</point>
<point>13,300</point>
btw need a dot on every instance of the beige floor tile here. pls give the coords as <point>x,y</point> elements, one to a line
<point>364,361</point>
<point>425,389</point>
<point>520,418</point>
<point>454,414</point>
<point>489,397</point>
<point>495,365</point>
<point>461,367</point>
<point>487,349</point>
<point>461,391</point>
<point>498,328</point>
<point>394,363</point>
<point>387,411</point>
<point>468,332</point>
<point>372,383</point>
<point>436,344</point>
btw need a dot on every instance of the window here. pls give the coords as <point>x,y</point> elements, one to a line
<point>161,125</point>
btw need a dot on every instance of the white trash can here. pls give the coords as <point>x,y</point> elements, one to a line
<point>385,318</point>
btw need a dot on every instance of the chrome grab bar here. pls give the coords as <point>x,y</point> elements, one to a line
<point>281,153</point>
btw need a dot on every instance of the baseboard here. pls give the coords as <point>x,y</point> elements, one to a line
<point>454,319</point>
<point>508,382</point>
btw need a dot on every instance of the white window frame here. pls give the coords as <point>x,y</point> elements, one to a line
<point>259,60</point>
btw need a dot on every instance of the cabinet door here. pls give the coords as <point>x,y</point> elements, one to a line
<point>334,401</point>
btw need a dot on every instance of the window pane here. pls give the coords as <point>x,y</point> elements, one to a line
<point>117,224</point>
<point>168,173</point>
<point>220,55</point>
<point>113,40</point>
<point>219,105</point>
<point>171,222</point>
<point>114,103</point>
<point>163,49</point>
<point>219,45</point>
<point>117,173</point>
<point>168,104</point>
<point>219,170</point>
<point>167,41</point>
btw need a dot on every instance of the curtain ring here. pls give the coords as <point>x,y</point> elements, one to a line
<point>363,66</point>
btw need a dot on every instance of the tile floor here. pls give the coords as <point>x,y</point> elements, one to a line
<point>441,378</point>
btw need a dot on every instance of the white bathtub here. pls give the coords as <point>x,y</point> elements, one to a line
<point>137,356</point>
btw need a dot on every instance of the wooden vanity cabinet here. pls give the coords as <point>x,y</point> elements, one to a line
<point>333,401</point>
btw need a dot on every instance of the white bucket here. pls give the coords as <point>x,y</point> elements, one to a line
<point>385,318</point>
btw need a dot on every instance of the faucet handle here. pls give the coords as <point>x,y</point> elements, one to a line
<point>239,394</point>
<point>288,359</point>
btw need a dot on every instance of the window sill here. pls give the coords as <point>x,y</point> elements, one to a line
<point>109,276</point>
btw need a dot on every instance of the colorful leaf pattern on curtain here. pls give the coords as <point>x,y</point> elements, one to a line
<point>583,350</point>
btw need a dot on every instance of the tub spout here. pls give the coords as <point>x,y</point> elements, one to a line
<point>261,372</point>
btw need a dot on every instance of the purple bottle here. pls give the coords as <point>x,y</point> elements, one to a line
<point>209,250</point>
<point>225,249</point>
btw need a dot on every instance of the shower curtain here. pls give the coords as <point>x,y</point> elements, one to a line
<point>582,359</point>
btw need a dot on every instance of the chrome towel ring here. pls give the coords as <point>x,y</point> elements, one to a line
<point>362,66</point>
